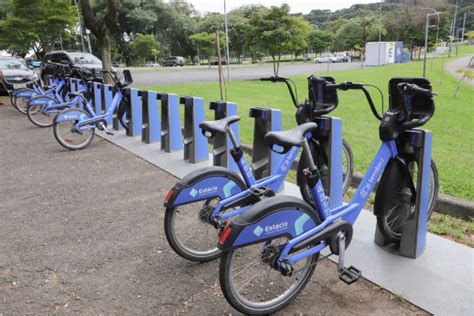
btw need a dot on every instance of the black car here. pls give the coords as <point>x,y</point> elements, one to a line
<point>15,74</point>
<point>79,64</point>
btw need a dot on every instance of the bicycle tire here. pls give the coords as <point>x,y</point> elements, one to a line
<point>246,306</point>
<point>387,221</point>
<point>64,142</point>
<point>320,159</point>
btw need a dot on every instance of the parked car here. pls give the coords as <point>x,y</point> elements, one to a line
<point>118,65</point>
<point>174,61</point>
<point>328,58</point>
<point>342,58</point>
<point>15,74</point>
<point>33,63</point>
<point>150,64</point>
<point>214,61</point>
<point>58,62</point>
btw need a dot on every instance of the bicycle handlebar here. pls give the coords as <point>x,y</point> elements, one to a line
<point>275,79</point>
<point>347,85</point>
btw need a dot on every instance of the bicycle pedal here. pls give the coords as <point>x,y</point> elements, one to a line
<point>350,275</point>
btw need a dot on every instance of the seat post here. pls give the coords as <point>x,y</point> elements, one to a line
<point>309,158</point>
<point>234,141</point>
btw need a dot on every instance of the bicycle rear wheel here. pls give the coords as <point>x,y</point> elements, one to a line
<point>250,283</point>
<point>68,137</point>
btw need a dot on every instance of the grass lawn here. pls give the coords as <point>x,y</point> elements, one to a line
<point>452,124</point>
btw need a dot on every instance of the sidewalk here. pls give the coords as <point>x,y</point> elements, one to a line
<point>82,232</point>
<point>454,65</point>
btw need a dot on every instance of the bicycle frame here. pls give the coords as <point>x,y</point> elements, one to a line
<point>88,123</point>
<point>350,211</point>
<point>273,182</point>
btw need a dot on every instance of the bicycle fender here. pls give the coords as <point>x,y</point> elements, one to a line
<point>280,216</point>
<point>29,93</point>
<point>205,183</point>
<point>71,115</point>
<point>392,177</point>
<point>41,100</point>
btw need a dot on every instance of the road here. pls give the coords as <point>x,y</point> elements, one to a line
<point>163,76</point>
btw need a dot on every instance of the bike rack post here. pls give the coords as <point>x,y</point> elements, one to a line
<point>195,144</point>
<point>116,125</point>
<point>222,143</point>
<point>413,240</point>
<point>329,134</point>
<point>171,139</point>
<point>264,160</point>
<point>98,93</point>
<point>72,84</point>
<point>135,122</point>
<point>151,121</point>
<point>107,96</point>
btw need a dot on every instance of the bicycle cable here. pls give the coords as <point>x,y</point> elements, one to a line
<point>380,92</point>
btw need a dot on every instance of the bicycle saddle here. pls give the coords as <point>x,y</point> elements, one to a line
<point>221,125</point>
<point>290,138</point>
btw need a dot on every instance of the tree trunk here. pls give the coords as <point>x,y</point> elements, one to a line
<point>274,65</point>
<point>105,51</point>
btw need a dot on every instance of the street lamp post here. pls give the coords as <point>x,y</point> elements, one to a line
<point>426,36</point>
<point>227,40</point>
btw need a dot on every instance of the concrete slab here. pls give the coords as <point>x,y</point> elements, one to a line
<point>440,281</point>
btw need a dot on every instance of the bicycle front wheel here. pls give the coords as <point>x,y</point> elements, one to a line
<point>68,137</point>
<point>250,283</point>
<point>398,209</point>
<point>21,104</point>
<point>321,161</point>
<point>38,117</point>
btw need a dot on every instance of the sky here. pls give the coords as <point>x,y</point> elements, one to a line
<point>304,6</point>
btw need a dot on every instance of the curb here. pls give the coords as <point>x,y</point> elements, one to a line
<point>445,204</point>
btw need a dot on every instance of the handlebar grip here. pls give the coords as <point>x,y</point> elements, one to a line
<point>275,79</point>
<point>410,88</point>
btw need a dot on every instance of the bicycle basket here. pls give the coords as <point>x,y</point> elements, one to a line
<point>417,105</point>
<point>322,98</point>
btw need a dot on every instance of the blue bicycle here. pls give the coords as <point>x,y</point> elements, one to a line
<point>75,128</point>
<point>42,109</point>
<point>208,198</point>
<point>20,97</point>
<point>271,250</point>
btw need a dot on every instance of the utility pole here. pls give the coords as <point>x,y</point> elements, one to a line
<point>219,63</point>
<point>426,37</point>
<point>227,40</point>
<point>380,31</point>
<point>453,30</point>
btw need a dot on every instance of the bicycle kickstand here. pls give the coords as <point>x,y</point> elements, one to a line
<point>348,275</point>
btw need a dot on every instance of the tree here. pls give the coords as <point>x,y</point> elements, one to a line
<point>206,44</point>
<point>144,47</point>
<point>36,24</point>
<point>102,25</point>
<point>320,41</point>
<point>277,32</point>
